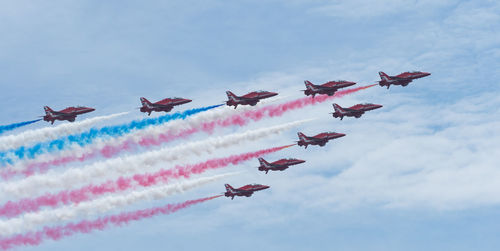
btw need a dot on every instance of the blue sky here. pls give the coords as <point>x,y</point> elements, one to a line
<point>420,173</point>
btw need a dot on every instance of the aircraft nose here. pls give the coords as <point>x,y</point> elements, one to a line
<point>300,161</point>
<point>90,109</point>
<point>265,187</point>
<point>187,100</point>
<point>426,73</point>
<point>377,106</point>
<point>272,94</point>
<point>341,134</point>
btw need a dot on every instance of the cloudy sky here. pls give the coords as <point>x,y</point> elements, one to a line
<point>421,173</point>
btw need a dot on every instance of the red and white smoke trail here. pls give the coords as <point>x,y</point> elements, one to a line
<point>88,226</point>
<point>14,208</point>
<point>240,119</point>
<point>109,147</point>
<point>133,164</point>
<point>32,221</point>
<point>158,137</point>
<point>276,110</point>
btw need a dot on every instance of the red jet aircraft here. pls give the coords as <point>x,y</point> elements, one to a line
<point>247,190</point>
<point>402,79</point>
<point>328,88</point>
<point>319,139</point>
<point>251,98</point>
<point>353,111</point>
<point>68,114</point>
<point>278,165</point>
<point>165,105</point>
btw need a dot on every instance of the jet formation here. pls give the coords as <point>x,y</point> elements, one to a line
<point>328,88</point>
<point>252,98</point>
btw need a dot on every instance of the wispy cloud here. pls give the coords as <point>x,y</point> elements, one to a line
<point>410,154</point>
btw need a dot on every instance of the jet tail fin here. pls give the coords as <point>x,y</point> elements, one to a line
<point>383,76</point>
<point>308,84</point>
<point>48,111</point>
<point>263,162</point>
<point>229,188</point>
<point>338,108</point>
<point>231,96</point>
<point>145,102</point>
<point>302,137</point>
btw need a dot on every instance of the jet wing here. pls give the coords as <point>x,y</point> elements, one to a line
<point>244,192</point>
<point>277,166</point>
<point>325,88</point>
<point>64,114</point>
<point>161,105</point>
<point>317,139</point>
<point>240,190</point>
<point>257,98</point>
<point>402,78</point>
<point>350,110</point>
<point>61,113</point>
<point>280,164</point>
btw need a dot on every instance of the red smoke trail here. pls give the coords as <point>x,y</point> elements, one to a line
<point>41,167</point>
<point>147,141</point>
<point>11,209</point>
<point>277,110</point>
<point>87,226</point>
<point>245,117</point>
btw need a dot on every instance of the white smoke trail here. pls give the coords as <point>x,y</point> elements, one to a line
<point>173,127</point>
<point>105,204</point>
<point>51,133</point>
<point>133,164</point>
<point>194,121</point>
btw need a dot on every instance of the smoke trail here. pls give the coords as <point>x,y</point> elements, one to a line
<point>5,128</point>
<point>31,221</point>
<point>108,147</point>
<point>239,119</point>
<point>50,133</point>
<point>158,136</point>
<point>88,137</point>
<point>278,110</point>
<point>87,226</point>
<point>247,116</point>
<point>85,193</point>
<point>135,163</point>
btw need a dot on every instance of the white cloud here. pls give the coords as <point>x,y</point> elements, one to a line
<point>411,155</point>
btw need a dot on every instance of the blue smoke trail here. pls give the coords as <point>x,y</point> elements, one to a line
<point>88,137</point>
<point>4,128</point>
